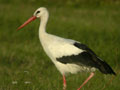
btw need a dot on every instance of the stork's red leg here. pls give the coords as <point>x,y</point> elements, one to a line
<point>64,83</point>
<point>91,75</point>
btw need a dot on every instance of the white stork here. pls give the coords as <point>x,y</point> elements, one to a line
<point>69,56</point>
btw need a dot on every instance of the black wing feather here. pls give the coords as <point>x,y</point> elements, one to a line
<point>87,58</point>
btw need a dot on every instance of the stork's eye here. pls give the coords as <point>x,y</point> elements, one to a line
<point>37,12</point>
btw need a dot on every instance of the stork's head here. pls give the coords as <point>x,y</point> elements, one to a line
<point>39,13</point>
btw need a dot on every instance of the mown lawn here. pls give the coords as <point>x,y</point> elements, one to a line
<point>25,66</point>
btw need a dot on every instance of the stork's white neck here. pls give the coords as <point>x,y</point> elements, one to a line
<point>42,28</point>
<point>43,35</point>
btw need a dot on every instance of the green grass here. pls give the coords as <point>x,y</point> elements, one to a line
<point>23,59</point>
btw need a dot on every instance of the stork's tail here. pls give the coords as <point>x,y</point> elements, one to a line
<point>105,68</point>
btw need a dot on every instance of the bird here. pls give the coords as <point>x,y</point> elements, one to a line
<point>69,56</point>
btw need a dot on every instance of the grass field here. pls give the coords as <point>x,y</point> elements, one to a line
<point>25,66</point>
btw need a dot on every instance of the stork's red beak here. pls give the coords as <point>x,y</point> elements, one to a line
<point>27,22</point>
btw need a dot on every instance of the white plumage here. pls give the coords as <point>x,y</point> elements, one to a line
<point>56,47</point>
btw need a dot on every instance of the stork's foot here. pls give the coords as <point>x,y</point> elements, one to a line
<point>64,87</point>
<point>91,75</point>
